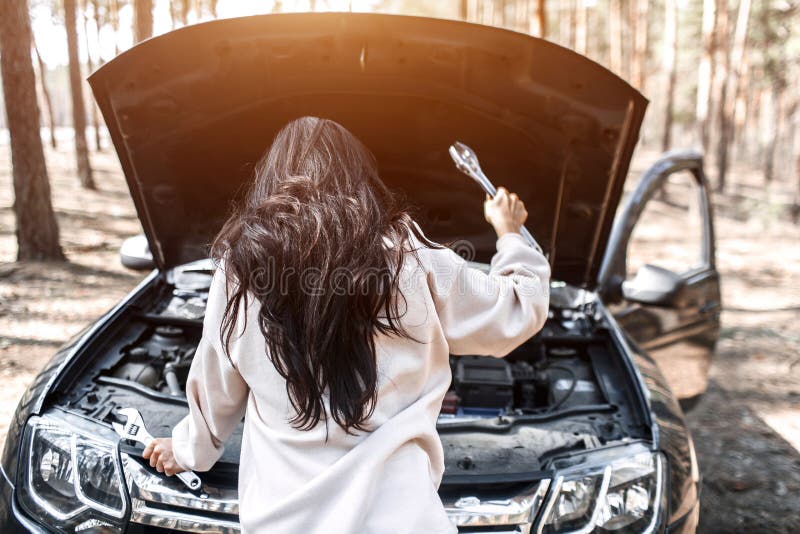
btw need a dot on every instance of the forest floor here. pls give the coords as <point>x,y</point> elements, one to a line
<point>746,428</point>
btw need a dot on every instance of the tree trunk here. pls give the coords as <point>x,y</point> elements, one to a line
<point>521,15</point>
<point>740,110</point>
<point>98,24</point>
<point>773,133</point>
<point>500,13</point>
<point>764,105</point>
<point>48,103</point>
<point>539,19</point>
<point>113,10</point>
<point>173,15</point>
<point>463,9</point>
<point>573,22</point>
<point>76,86</point>
<point>722,64</point>
<point>37,229</point>
<point>98,145</point>
<point>669,62</point>
<point>705,74</point>
<point>746,137</point>
<point>581,36</point>
<point>185,11</point>
<point>640,44</point>
<point>564,28</point>
<point>796,153</point>
<point>143,20</point>
<point>730,92</point>
<point>487,12</point>
<point>615,37</point>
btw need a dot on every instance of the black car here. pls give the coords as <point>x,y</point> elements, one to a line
<point>574,431</point>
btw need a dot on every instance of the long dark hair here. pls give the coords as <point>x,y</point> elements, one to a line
<point>318,242</point>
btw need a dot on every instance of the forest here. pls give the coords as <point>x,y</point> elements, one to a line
<point>721,75</point>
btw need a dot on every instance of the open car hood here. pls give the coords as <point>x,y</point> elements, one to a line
<point>191,111</point>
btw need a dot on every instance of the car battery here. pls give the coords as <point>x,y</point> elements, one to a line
<point>483,382</point>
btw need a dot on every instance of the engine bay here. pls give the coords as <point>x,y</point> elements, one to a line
<point>563,389</point>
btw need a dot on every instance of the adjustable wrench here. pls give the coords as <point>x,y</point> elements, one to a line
<point>467,162</point>
<point>135,430</point>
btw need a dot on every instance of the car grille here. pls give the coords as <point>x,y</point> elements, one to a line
<point>158,501</point>
<point>161,504</point>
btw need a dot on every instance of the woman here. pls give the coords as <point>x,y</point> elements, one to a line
<point>329,323</point>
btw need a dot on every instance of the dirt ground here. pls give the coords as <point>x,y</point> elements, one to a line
<point>746,428</point>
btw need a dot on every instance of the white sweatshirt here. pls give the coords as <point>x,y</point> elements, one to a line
<point>384,480</point>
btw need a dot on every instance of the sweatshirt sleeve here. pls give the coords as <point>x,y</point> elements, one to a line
<point>216,393</point>
<point>491,314</point>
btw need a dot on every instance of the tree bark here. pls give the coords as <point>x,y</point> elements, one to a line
<point>669,63</point>
<point>185,11</point>
<point>37,229</point>
<point>143,20</point>
<point>48,102</point>
<point>76,87</point>
<point>463,9</point>
<point>487,12</point>
<point>573,22</point>
<point>640,44</point>
<point>581,20</point>
<point>564,29</point>
<point>615,37</point>
<point>539,19</point>
<point>113,10</point>
<point>90,65</point>
<point>740,109</point>
<point>774,132</point>
<point>796,156</point>
<point>521,15</point>
<point>746,138</point>
<point>98,24</point>
<point>730,92</point>
<point>722,68</point>
<point>705,74</point>
<point>173,15</point>
<point>500,13</point>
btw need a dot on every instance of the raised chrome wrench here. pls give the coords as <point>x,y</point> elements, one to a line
<point>467,162</point>
<point>135,430</point>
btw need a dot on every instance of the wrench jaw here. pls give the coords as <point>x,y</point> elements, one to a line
<point>462,159</point>
<point>119,429</point>
<point>467,162</point>
<point>134,430</point>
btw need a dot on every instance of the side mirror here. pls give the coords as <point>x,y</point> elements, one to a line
<point>652,285</point>
<point>135,254</point>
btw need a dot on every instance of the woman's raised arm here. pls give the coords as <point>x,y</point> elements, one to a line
<point>491,314</point>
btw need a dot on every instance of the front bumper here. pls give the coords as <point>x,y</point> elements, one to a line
<point>13,520</point>
<point>161,505</point>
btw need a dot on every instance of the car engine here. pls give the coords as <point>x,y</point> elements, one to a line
<point>548,372</point>
<point>534,377</point>
<point>557,391</point>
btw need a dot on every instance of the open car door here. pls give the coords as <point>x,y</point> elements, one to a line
<point>659,275</point>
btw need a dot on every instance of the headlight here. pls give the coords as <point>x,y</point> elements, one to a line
<point>623,495</point>
<point>70,481</point>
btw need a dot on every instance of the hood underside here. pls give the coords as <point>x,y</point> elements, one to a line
<point>191,111</point>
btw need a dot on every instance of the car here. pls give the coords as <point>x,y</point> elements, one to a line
<point>575,430</point>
